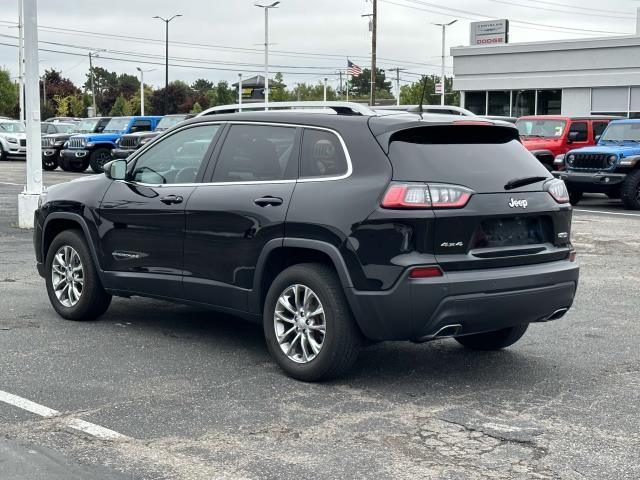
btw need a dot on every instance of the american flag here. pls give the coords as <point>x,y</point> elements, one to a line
<point>353,69</point>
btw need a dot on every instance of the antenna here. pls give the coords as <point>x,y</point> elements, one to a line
<point>419,108</point>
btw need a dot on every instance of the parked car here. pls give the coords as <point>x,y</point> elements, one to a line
<point>94,149</point>
<point>328,229</point>
<point>63,119</point>
<point>611,167</point>
<point>47,128</point>
<point>53,144</point>
<point>13,140</point>
<point>549,137</point>
<point>127,144</point>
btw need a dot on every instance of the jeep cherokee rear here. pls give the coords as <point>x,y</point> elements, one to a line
<point>329,229</point>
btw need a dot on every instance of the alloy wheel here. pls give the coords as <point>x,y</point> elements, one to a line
<point>299,323</point>
<point>67,276</point>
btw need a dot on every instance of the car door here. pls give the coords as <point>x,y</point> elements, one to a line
<point>598,129</point>
<point>143,217</point>
<point>232,218</point>
<point>579,130</point>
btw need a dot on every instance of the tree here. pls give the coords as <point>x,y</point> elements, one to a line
<point>9,95</point>
<point>361,85</point>
<point>277,89</point>
<point>128,85</point>
<point>57,85</point>
<point>76,106</point>
<point>306,92</point>
<point>118,109</point>
<point>106,84</point>
<point>135,101</point>
<point>202,86</point>
<point>178,98</point>
<point>410,94</point>
<point>224,94</point>
<point>63,105</point>
<point>196,108</point>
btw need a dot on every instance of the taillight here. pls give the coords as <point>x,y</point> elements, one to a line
<point>558,190</point>
<point>426,195</point>
<point>425,272</point>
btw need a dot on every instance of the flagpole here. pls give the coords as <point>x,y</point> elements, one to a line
<point>347,99</point>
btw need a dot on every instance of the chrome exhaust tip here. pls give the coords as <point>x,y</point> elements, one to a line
<point>556,315</point>
<point>447,331</point>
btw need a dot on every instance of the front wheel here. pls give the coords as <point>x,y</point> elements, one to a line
<point>98,158</point>
<point>493,340</point>
<point>308,326</point>
<point>49,163</point>
<point>630,191</point>
<point>73,285</point>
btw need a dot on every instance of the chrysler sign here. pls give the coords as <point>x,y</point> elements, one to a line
<point>490,32</point>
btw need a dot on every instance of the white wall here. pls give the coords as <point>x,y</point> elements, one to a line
<point>576,101</point>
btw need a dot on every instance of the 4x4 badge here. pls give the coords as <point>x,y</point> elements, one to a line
<point>514,203</point>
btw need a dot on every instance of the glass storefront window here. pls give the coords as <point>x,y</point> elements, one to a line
<point>476,102</point>
<point>523,103</point>
<point>549,102</point>
<point>499,103</point>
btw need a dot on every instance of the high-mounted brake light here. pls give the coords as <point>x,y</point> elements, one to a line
<point>426,195</point>
<point>425,272</point>
<point>558,190</point>
<point>472,122</point>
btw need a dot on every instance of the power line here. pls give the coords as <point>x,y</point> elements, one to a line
<point>580,7</point>
<point>570,12</point>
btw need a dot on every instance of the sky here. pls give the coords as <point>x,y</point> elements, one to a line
<point>310,39</point>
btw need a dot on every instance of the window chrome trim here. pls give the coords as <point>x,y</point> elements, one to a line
<point>256,182</point>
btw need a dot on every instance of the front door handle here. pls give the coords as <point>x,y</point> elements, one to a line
<point>172,199</point>
<point>268,201</point>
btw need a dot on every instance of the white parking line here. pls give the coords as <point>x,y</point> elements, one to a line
<point>607,213</point>
<point>77,424</point>
<point>15,184</point>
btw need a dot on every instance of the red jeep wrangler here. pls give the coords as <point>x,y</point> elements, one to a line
<point>548,136</point>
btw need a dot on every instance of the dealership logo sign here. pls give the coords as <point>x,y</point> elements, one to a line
<point>489,32</point>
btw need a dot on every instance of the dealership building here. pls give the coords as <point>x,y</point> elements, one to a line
<point>569,77</point>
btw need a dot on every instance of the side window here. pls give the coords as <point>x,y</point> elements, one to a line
<point>175,159</point>
<point>598,128</point>
<point>581,131</point>
<point>101,125</point>
<point>257,153</point>
<point>141,126</point>
<point>322,155</point>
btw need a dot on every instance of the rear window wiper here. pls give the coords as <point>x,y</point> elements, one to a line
<point>521,182</point>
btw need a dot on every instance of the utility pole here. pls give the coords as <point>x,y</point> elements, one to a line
<point>240,91</point>
<point>93,84</point>
<point>397,70</point>
<point>442,78</point>
<point>325,90</point>
<point>44,89</point>
<point>28,199</point>
<point>374,35</point>
<point>266,49</point>
<point>21,57</point>
<point>166,59</point>
<point>340,73</point>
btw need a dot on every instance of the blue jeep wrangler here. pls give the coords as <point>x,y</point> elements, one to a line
<point>94,149</point>
<point>611,167</point>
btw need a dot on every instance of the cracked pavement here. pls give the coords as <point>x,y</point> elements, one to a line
<point>199,398</point>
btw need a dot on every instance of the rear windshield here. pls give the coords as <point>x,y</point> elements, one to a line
<point>479,157</point>
<point>541,128</point>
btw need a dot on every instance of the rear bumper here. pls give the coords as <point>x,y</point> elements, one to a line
<point>591,181</point>
<point>477,301</point>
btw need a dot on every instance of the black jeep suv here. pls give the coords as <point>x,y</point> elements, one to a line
<point>332,230</point>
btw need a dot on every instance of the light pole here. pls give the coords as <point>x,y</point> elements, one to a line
<point>21,57</point>
<point>166,57</point>
<point>444,34</point>
<point>240,91</point>
<point>142,72</point>
<point>324,95</point>
<point>266,49</point>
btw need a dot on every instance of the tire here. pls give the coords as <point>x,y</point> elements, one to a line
<point>493,340</point>
<point>2,155</point>
<point>92,300</point>
<point>98,158</point>
<point>630,191</point>
<point>341,340</point>
<point>575,197</point>
<point>49,163</point>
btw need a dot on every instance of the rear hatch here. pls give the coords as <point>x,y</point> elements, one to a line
<point>500,225</point>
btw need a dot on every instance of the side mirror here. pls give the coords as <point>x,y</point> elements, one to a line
<point>573,136</point>
<point>116,169</point>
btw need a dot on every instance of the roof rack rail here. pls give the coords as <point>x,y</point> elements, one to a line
<point>340,108</point>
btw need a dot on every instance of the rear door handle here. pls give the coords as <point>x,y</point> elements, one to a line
<point>268,201</point>
<point>172,199</point>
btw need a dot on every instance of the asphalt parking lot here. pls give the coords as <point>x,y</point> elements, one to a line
<point>191,394</point>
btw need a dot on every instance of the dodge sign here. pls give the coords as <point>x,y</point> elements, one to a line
<point>490,32</point>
